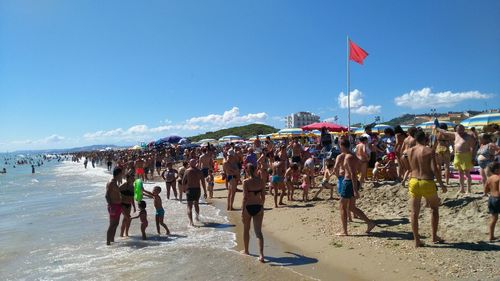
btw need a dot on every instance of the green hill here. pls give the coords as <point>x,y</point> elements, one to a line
<point>246,132</point>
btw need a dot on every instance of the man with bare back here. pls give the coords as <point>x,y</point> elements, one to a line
<point>423,170</point>
<point>349,189</point>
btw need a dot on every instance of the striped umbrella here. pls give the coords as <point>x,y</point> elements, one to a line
<point>482,120</point>
<point>230,138</point>
<point>379,128</point>
<point>288,133</point>
<point>430,125</point>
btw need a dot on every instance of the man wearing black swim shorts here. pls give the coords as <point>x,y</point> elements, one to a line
<point>193,178</point>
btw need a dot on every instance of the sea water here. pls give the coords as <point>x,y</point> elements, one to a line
<point>53,227</point>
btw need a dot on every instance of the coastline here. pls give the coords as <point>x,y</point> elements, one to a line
<point>280,250</point>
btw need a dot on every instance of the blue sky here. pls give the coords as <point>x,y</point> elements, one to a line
<point>85,72</point>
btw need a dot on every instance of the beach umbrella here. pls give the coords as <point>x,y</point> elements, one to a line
<point>332,127</point>
<point>430,125</point>
<point>230,138</point>
<point>136,147</point>
<point>170,139</point>
<point>379,129</point>
<point>315,133</point>
<point>405,127</point>
<point>482,120</point>
<point>205,141</point>
<point>183,141</point>
<point>292,132</point>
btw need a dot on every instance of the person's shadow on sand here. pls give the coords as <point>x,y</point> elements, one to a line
<point>292,260</point>
<point>468,246</point>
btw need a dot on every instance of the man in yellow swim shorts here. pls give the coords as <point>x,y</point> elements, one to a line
<point>463,147</point>
<point>423,170</point>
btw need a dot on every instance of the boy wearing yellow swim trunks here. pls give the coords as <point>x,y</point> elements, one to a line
<point>423,170</point>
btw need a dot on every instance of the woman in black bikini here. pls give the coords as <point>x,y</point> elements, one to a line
<point>253,208</point>
<point>127,192</point>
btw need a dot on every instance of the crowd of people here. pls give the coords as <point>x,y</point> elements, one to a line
<point>415,158</point>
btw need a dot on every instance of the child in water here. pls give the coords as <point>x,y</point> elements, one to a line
<point>143,215</point>
<point>160,212</point>
<point>211,183</point>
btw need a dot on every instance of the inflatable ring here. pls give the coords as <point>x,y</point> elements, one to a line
<point>138,186</point>
<point>218,179</point>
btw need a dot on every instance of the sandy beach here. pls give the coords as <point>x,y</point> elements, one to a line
<point>308,229</point>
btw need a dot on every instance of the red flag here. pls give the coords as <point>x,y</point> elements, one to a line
<point>356,53</point>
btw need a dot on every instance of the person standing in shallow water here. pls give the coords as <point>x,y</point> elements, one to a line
<point>253,209</point>
<point>127,193</point>
<point>192,179</point>
<point>113,197</point>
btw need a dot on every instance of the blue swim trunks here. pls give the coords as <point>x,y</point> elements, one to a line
<point>346,190</point>
<point>339,183</point>
<point>160,212</point>
<point>276,179</point>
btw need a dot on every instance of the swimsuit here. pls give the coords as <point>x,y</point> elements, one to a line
<point>339,183</point>
<point>422,188</point>
<point>463,161</point>
<point>127,192</point>
<point>205,172</point>
<point>139,171</point>
<point>346,189</point>
<point>126,206</point>
<point>160,212</point>
<point>193,194</point>
<point>296,159</point>
<point>253,210</point>
<point>114,210</point>
<point>494,205</point>
<point>276,179</point>
<point>485,152</point>
<point>230,177</point>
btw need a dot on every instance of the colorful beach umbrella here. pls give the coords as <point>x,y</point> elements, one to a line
<point>289,133</point>
<point>379,129</point>
<point>331,127</point>
<point>482,120</point>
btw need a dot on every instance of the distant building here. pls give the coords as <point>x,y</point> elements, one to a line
<point>299,119</point>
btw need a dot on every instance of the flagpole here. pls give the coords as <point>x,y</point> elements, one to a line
<point>348,91</point>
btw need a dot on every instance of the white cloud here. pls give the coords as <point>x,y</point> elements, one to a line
<point>38,142</point>
<point>196,124</point>
<point>356,99</point>
<point>366,110</point>
<point>357,104</point>
<point>229,117</point>
<point>53,139</point>
<point>424,98</point>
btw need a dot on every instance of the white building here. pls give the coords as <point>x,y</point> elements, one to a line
<point>299,119</point>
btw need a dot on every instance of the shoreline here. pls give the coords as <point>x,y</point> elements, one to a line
<point>278,251</point>
<point>388,253</point>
